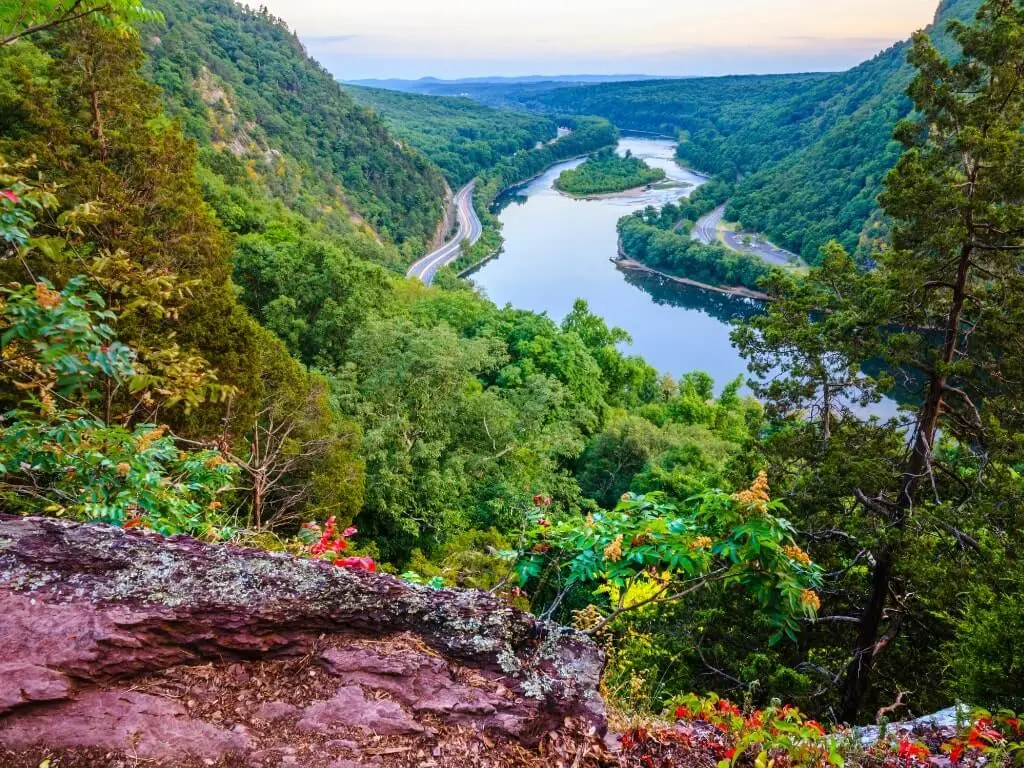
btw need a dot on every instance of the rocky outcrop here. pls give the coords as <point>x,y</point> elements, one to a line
<point>124,646</point>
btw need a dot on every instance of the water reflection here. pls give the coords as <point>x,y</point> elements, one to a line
<point>558,249</point>
<point>723,307</point>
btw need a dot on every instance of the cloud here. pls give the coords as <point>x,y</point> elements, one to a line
<point>317,40</point>
<point>818,41</point>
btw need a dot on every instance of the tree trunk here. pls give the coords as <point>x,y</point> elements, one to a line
<point>918,467</point>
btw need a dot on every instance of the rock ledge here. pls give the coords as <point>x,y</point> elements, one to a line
<point>133,646</point>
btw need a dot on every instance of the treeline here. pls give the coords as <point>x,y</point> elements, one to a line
<point>810,152</point>
<point>461,136</point>
<point>606,171</point>
<point>676,253</point>
<point>586,135</point>
<point>661,239</point>
<point>699,109</point>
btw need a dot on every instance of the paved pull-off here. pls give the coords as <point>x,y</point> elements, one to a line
<point>705,230</point>
<point>468,228</point>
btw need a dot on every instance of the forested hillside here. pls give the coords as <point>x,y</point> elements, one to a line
<point>810,151</point>
<point>462,137</point>
<point>261,109</point>
<point>194,343</point>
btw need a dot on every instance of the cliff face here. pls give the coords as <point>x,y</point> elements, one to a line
<point>126,646</point>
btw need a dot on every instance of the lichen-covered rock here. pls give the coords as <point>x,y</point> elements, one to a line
<point>174,650</point>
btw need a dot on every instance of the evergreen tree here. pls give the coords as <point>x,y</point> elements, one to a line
<point>942,310</point>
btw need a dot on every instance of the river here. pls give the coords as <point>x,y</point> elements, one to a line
<point>558,249</point>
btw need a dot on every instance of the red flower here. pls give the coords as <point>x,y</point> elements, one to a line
<point>956,753</point>
<point>730,753</point>
<point>9,194</point>
<point>135,522</point>
<point>349,532</point>
<point>727,707</point>
<point>908,750</point>
<point>682,713</point>
<point>816,726</point>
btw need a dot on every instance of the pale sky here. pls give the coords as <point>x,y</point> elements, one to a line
<point>358,39</point>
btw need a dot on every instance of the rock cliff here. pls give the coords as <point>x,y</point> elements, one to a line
<point>125,648</point>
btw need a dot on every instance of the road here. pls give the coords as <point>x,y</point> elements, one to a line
<point>706,231</point>
<point>755,245</point>
<point>468,227</point>
<point>706,228</point>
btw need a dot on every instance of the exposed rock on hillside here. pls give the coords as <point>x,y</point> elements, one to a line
<point>125,646</point>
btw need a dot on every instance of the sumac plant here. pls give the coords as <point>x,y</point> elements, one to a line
<point>649,550</point>
<point>778,735</point>
<point>328,543</point>
<point>60,455</point>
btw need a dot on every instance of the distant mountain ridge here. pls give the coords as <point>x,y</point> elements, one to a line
<point>425,84</point>
<point>809,151</point>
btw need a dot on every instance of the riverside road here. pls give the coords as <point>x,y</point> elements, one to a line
<point>468,228</point>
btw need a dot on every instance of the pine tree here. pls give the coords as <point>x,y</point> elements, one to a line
<point>943,309</point>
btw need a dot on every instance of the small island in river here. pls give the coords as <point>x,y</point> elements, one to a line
<point>607,172</point>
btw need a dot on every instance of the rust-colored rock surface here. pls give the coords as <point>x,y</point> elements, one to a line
<point>123,646</point>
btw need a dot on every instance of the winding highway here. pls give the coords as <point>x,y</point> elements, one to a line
<point>468,228</point>
<point>706,228</point>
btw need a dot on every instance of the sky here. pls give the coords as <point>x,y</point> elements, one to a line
<point>357,39</point>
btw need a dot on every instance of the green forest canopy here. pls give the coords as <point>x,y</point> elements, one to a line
<point>233,303</point>
<point>461,136</point>
<point>810,151</point>
<point>241,82</point>
<point>607,171</point>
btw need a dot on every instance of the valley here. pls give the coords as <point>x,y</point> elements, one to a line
<point>557,250</point>
<point>352,420</point>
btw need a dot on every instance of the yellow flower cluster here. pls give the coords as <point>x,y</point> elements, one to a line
<point>214,461</point>
<point>142,442</point>
<point>46,403</point>
<point>613,551</point>
<point>701,542</point>
<point>587,618</point>
<point>757,494</point>
<point>795,553</point>
<point>810,598</point>
<point>46,297</point>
